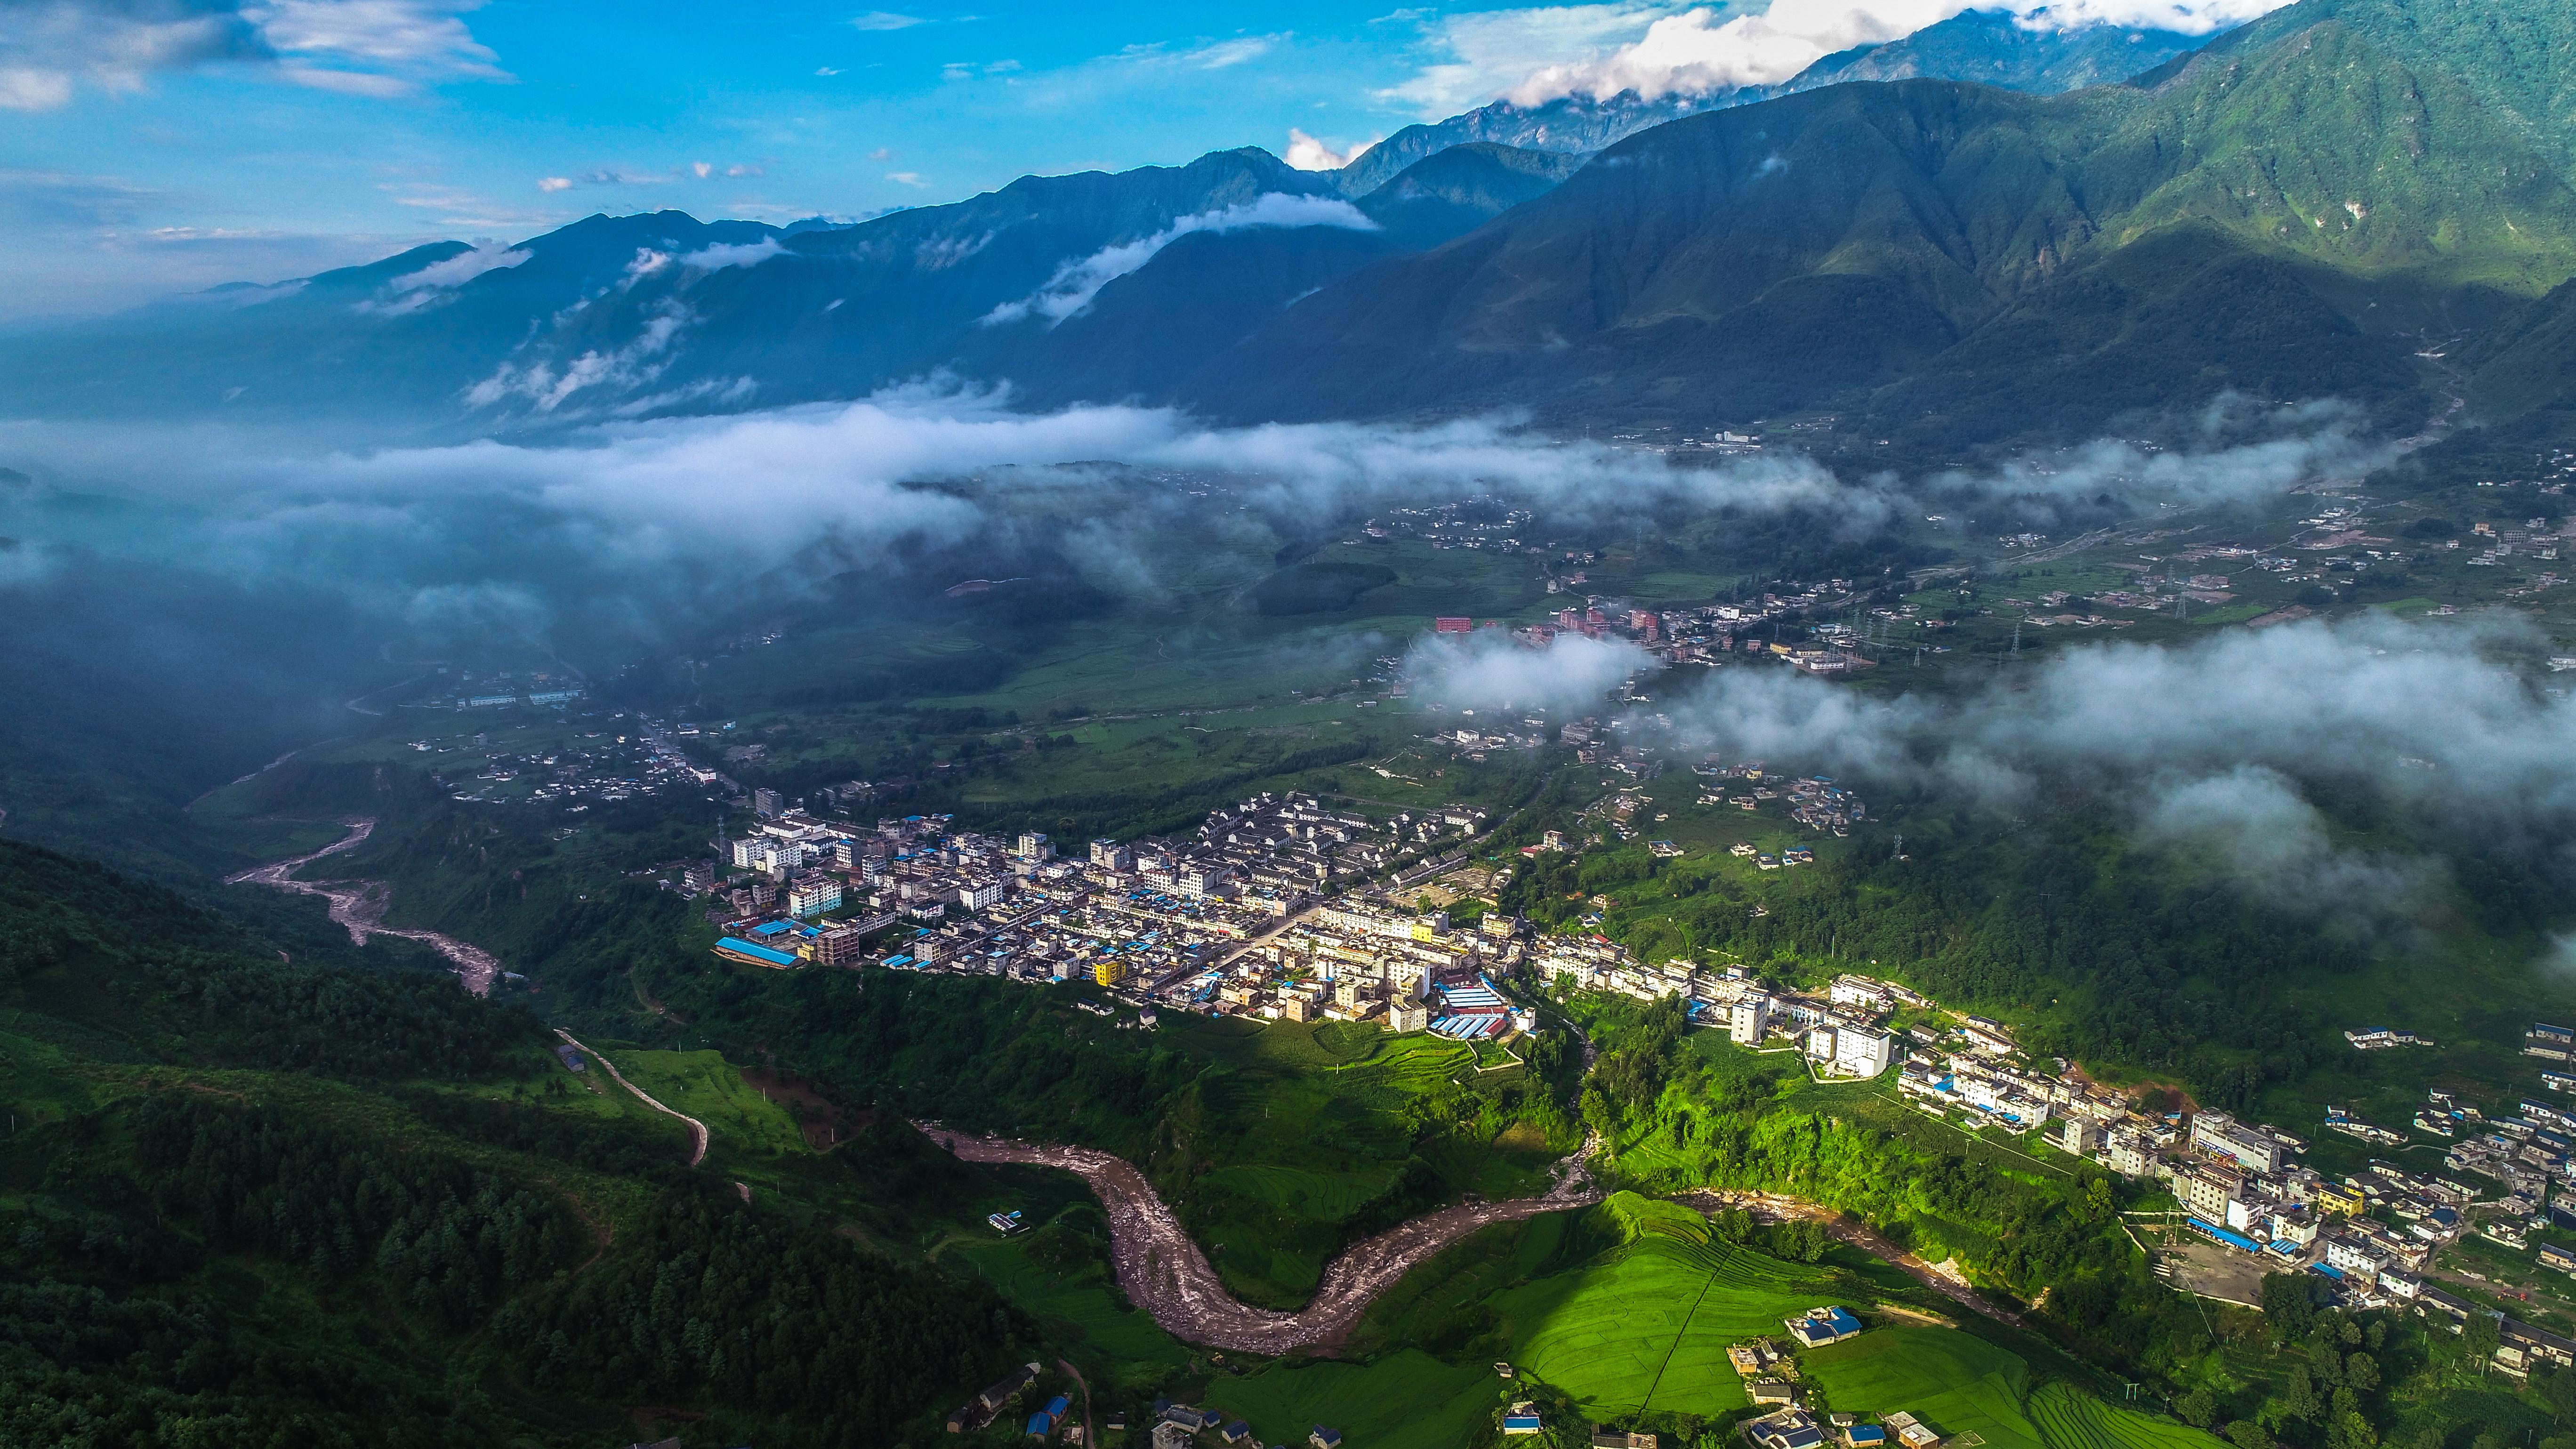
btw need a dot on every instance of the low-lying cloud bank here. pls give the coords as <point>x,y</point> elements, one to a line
<point>2222,746</point>
<point>1492,670</point>
<point>667,510</point>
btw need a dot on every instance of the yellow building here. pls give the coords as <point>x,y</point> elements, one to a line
<point>2334,1197</point>
<point>1109,971</point>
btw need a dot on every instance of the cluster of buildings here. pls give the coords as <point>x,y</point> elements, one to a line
<point>1815,801</point>
<point>1233,920</point>
<point>1178,1426</point>
<point>1771,1375</point>
<point>499,691</point>
<point>616,767</point>
<point>1843,1032</point>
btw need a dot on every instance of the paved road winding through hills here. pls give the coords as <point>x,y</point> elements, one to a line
<point>1164,1273</point>
<point>359,905</point>
<point>697,1129</point>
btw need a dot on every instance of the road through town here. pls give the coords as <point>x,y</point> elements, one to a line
<point>1164,1273</point>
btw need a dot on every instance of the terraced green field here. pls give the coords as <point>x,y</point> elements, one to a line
<point>2070,1419</point>
<point>1957,1383</point>
<point>1648,1324</point>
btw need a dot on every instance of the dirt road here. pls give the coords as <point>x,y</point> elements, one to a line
<point>1164,1273</point>
<point>697,1129</point>
<point>359,906</point>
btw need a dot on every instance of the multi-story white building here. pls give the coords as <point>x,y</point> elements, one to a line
<point>2248,1146</point>
<point>1861,1052</point>
<point>1748,1019</point>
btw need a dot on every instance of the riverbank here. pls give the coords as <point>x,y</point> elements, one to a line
<point>1163,1271</point>
<point>359,907</point>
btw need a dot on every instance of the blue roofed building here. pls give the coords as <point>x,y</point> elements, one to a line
<point>752,953</point>
<point>1822,1326</point>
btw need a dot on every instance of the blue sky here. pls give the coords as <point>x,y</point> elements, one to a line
<point>150,146</point>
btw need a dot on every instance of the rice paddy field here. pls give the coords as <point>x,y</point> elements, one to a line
<point>2068,1418</point>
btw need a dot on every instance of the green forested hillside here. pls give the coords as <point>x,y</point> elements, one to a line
<point>2281,214</point>
<point>247,1201</point>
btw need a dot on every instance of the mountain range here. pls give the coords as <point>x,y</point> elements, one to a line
<point>1980,233</point>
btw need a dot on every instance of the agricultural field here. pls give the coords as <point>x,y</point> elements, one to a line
<point>1646,1325</point>
<point>1629,1309</point>
<point>2069,1419</point>
<point>1957,1383</point>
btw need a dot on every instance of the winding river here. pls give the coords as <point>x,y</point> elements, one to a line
<point>359,906</point>
<point>1163,1271</point>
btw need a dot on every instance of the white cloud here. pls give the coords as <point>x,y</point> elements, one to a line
<point>1537,55</point>
<point>886,20</point>
<point>2218,746</point>
<point>47,47</point>
<point>377,48</point>
<point>1308,154</point>
<point>415,290</point>
<point>1483,55</point>
<point>1490,669</point>
<point>906,178</point>
<point>1076,282</point>
<point>732,254</point>
<point>27,88</point>
<point>1225,53</point>
<point>618,370</point>
<point>1701,51</point>
<point>554,183</point>
<point>2252,821</point>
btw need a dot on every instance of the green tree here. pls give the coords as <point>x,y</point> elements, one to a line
<point>2482,1336</point>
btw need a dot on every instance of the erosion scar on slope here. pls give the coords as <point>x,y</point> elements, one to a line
<point>1163,1271</point>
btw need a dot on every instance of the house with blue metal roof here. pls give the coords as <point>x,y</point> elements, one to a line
<point>1822,1326</point>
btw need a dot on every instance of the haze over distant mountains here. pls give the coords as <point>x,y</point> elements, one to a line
<point>1980,231</point>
